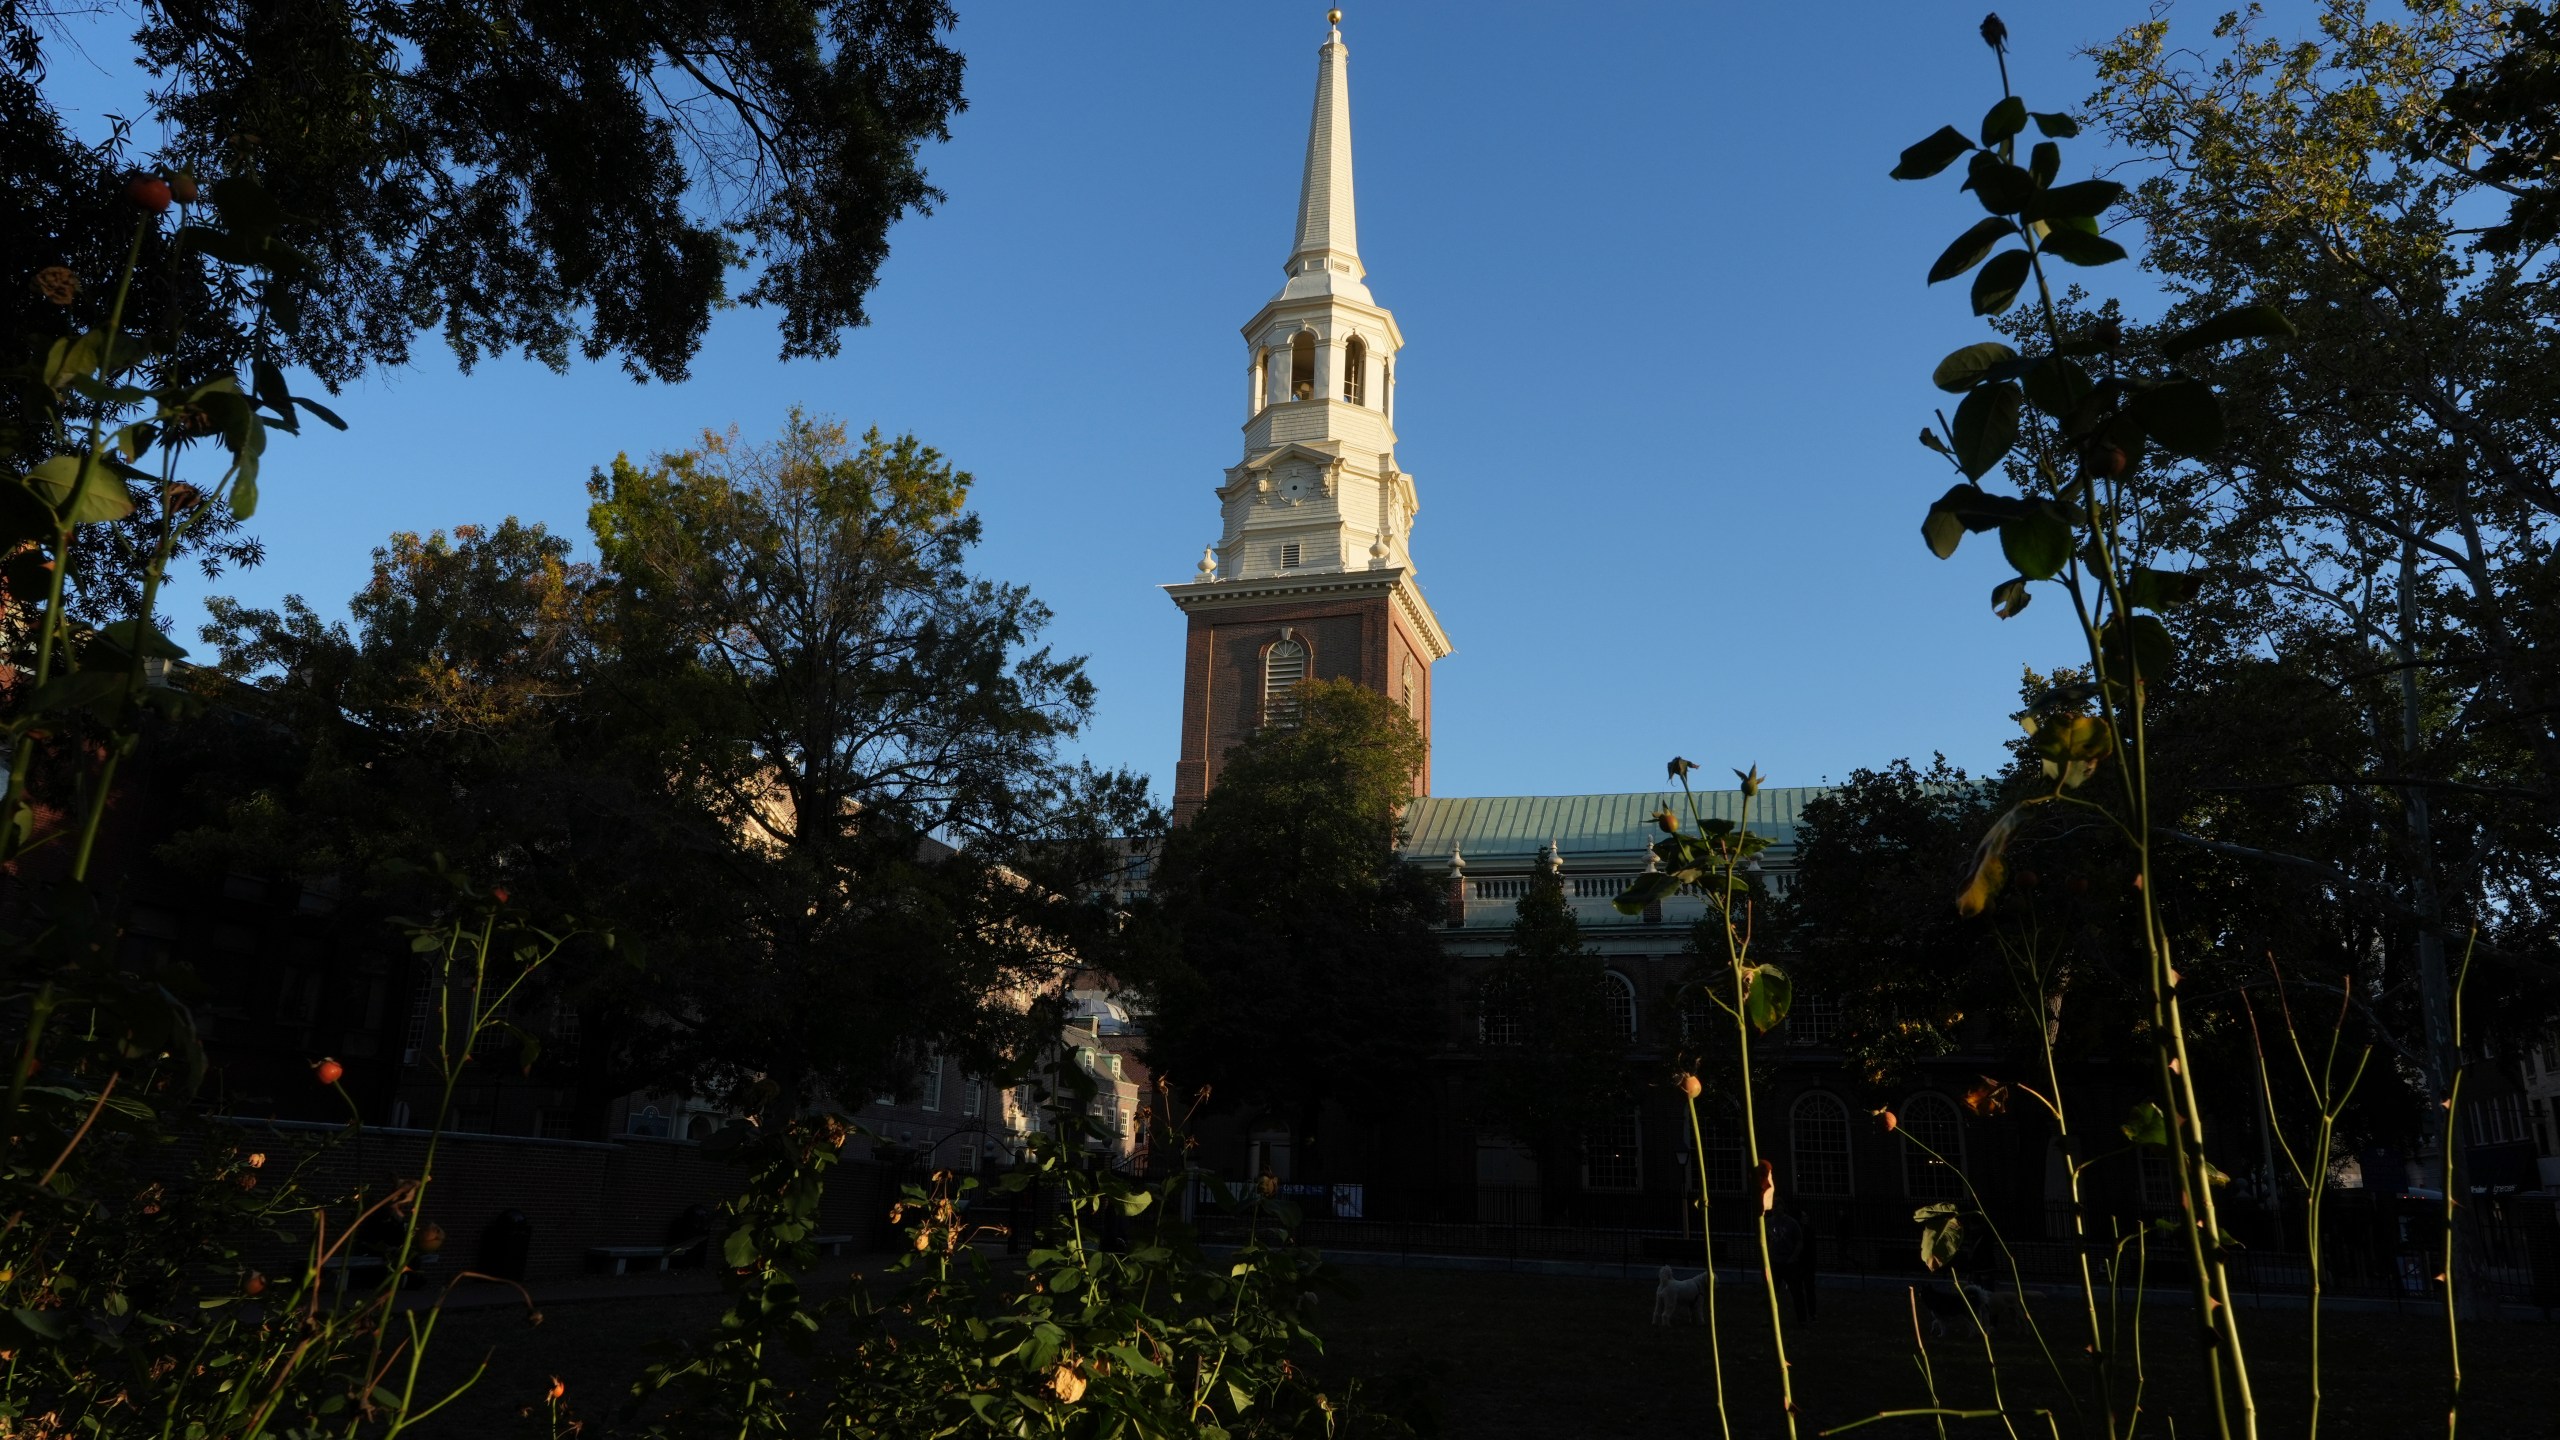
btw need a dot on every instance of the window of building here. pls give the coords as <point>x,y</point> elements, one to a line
<point>973,1096</point>
<point>1697,1012</point>
<point>1819,1131</point>
<point>1412,691</point>
<point>700,1128</point>
<point>1289,555</point>
<point>1302,365</point>
<point>1613,1154</point>
<point>2159,1180</point>
<point>1619,994</point>
<point>930,1083</point>
<point>1495,1024</point>
<point>1930,1119</point>
<point>1355,372</point>
<point>1814,1018</point>
<point>1283,666</point>
<point>648,1121</point>
<point>1723,1151</point>
<point>422,1009</point>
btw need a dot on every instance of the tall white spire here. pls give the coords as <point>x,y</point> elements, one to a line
<point>1326,258</point>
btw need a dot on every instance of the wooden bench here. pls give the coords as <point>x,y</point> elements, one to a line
<point>621,1259</point>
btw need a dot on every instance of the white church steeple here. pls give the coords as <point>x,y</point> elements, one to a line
<point>1317,517</point>
<point>1327,257</point>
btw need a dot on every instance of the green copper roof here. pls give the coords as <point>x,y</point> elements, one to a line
<point>1517,825</point>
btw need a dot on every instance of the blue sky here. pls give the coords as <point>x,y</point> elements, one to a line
<point>1667,347</point>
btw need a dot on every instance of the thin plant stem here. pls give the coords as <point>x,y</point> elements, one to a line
<point>2452,1104</point>
<point>1707,1241</point>
<point>1928,1375</point>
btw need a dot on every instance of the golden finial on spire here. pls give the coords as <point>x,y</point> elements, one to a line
<point>1333,17</point>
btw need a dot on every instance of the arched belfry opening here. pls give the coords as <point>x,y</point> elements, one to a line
<point>1355,372</point>
<point>1302,365</point>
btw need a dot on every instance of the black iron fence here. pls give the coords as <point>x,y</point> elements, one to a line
<point>2375,1246</point>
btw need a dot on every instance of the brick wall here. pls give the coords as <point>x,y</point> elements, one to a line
<point>1355,639</point>
<point>577,1193</point>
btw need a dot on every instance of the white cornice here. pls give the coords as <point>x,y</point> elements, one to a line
<point>1396,581</point>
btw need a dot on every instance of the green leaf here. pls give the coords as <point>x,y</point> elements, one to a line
<point>1766,1002</point>
<point>2003,188</point>
<point>1965,508</point>
<point>2138,646</point>
<point>2039,542</point>
<point>739,1249</point>
<point>1965,368</point>
<point>1135,1202</point>
<point>1990,865</point>
<point>42,1324</point>
<point>2248,322</point>
<point>2146,1125</point>
<point>1970,247</point>
<point>2009,597</point>
<point>1941,1241</point>
<point>1986,426</point>
<point>124,635</point>
<point>2080,247</point>
<point>1997,286</point>
<point>98,691</point>
<point>2161,589</point>
<point>2088,197</point>
<point>2046,162</point>
<point>327,416</point>
<point>1643,891</point>
<point>244,496</point>
<point>2054,385</point>
<point>2074,737</point>
<point>1932,155</point>
<point>2054,123</point>
<point>2183,415</point>
<point>2006,119</point>
<point>1929,438</point>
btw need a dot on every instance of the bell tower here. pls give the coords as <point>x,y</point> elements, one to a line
<point>1311,576</point>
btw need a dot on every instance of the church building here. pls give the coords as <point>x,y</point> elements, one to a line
<point>1313,575</point>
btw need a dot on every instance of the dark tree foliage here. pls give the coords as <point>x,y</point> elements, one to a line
<point>1304,968</point>
<point>2501,122</point>
<point>873,734</point>
<point>1552,1053</point>
<point>555,178</point>
<point>779,738</point>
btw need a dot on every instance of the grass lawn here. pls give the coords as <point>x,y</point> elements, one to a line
<point>1490,1356</point>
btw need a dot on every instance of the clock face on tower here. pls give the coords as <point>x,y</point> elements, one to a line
<point>1293,483</point>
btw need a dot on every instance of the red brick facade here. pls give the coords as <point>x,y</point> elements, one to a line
<point>1359,637</point>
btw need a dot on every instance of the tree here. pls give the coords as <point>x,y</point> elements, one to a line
<point>1300,966</point>
<point>1553,1048</point>
<point>778,737</point>
<point>2382,515</point>
<point>897,855</point>
<point>573,178</point>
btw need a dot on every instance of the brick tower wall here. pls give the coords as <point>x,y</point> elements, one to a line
<point>1360,639</point>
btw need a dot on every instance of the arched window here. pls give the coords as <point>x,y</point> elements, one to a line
<point>1930,1119</point>
<point>1302,365</point>
<point>1819,1130</point>
<point>1697,1012</point>
<point>1283,666</point>
<point>1261,383</point>
<point>1619,994</point>
<point>1355,372</point>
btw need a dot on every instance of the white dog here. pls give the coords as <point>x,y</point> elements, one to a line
<point>1672,1296</point>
